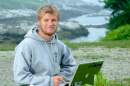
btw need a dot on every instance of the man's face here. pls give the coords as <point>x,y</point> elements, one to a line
<point>48,24</point>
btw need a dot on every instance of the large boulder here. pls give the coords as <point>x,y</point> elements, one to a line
<point>71,29</point>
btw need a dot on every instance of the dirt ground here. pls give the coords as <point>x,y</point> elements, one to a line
<point>116,62</point>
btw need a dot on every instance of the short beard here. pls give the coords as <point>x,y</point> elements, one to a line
<point>51,34</point>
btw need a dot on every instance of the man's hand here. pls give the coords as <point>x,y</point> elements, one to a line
<point>57,80</point>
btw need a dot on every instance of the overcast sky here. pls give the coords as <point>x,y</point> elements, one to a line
<point>94,2</point>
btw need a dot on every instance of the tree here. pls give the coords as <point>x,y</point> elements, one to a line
<point>120,13</point>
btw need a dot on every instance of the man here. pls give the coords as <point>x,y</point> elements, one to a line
<point>39,55</point>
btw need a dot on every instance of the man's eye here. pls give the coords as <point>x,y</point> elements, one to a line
<point>54,20</point>
<point>46,20</point>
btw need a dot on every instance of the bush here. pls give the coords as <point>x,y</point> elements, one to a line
<point>99,80</point>
<point>119,20</point>
<point>122,33</point>
<point>120,14</point>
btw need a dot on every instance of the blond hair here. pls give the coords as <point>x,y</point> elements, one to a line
<point>48,9</point>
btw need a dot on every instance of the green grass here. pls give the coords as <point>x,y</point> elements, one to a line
<point>124,82</point>
<point>106,44</point>
<point>75,57</point>
<point>119,59</point>
<point>74,46</point>
<point>95,56</point>
<point>4,56</point>
<point>7,48</point>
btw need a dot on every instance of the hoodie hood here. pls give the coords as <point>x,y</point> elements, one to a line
<point>33,34</point>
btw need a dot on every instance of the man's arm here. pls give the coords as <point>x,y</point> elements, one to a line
<point>21,69</point>
<point>68,65</point>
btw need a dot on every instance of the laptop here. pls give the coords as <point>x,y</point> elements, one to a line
<point>85,73</point>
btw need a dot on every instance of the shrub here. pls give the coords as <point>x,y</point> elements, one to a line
<point>122,33</point>
<point>99,80</point>
<point>120,14</point>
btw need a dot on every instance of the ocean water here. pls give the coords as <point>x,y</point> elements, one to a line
<point>94,33</point>
<point>90,20</point>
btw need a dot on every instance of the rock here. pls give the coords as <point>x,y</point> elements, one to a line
<point>71,29</point>
<point>6,13</point>
<point>66,30</point>
<point>70,25</point>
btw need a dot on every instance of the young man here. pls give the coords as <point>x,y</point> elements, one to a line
<point>39,55</point>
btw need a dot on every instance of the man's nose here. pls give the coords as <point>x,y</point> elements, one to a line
<point>50,22</point>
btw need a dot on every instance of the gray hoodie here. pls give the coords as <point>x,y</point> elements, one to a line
<point>38,60</point>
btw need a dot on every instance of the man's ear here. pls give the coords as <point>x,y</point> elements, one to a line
<point>38,22</point>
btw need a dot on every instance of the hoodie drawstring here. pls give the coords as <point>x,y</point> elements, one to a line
<point>52,60</point>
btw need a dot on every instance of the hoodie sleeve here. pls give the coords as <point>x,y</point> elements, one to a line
<point>68,65</point>
<point>21,69</point>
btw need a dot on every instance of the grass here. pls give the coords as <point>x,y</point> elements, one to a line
<point>106,44</point>
<point>119,58</point>
<point>4,56</point>
<point>7,48</point>
<point>94,56</point>
<point>74,46</point>
<point>124,82</point>
<point>75,57</point>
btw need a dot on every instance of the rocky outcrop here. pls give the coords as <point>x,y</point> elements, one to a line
<point>7,13</point>
<point>71,29</point>
<point>66,30</point>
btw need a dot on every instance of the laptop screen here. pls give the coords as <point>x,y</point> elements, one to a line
<point>85,73</point>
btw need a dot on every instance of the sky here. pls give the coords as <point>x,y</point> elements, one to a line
<point>96,2</point>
